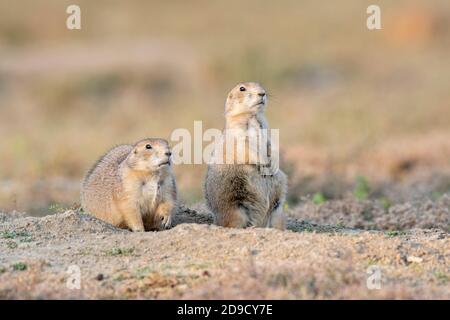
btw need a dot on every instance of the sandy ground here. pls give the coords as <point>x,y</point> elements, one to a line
<point>198,260</point>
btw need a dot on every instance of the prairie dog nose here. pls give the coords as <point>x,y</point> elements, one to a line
<point>261,94</point>
<point>168,153</point>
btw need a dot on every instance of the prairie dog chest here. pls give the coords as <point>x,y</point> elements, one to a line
<point>149,191</point>
<point>254,126</point>
<point>257,132</point>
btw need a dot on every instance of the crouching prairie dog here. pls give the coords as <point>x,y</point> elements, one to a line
<point>132,186</point>
<point>238,193</point>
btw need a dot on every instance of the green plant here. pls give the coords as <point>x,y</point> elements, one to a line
<point>120,277</point>
<point>394,233</point>
<point>367,214</point>
<point>386,203</point>
<point>140,273</point>
<point>340,225</point>
<point>362,188</point>
<point>372,262</point>
<point>198,266</point>
<point>442,277</point>
<point>318,198</point>
<point>19,266</point>
<point>436,195</point>
<point>57,208</point>
<point>14,234</point>
<point>11,245</point>
<point>120,251</point>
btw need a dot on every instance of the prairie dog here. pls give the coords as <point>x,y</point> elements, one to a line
<point>238,193</point>
<point>132,186</point>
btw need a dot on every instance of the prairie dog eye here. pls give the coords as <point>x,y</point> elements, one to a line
<point>147,146</point>
<point>242,89</point>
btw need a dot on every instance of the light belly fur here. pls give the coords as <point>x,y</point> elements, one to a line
<point>149,198</point>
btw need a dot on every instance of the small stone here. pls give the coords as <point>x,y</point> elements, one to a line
<point>206,273</point>
<point>414,259</point>
<point>100,277</point>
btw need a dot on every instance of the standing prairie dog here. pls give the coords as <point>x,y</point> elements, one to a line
<point>132,186</point>
<point>238,193</point>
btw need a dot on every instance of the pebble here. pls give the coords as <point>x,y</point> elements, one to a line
<point>414,259</point>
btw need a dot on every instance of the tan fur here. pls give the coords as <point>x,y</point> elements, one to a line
<point>238,194</point>
<point>132,187</point>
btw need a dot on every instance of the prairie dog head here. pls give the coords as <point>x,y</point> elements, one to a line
<point>246,98</point>
<point>150,155</point>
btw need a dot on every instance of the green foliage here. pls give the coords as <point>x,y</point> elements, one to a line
<point>11,244</point>
<point>141,273</point>
<point>436,195</point>
<point>386,203</point>
<point>14,234</point>
<point>19,266</point>
<point>57,208</point>
<point>319,198</point>
<point>362,188</point>
<point>120,252</point>
<point>442,277</point>
<point>394,233</point>
<point>367,214</point>
<point>120,277</point>
<point>372,262</point>
<point>21,236</point>
<point>197,266</point>
<point>340,225</point>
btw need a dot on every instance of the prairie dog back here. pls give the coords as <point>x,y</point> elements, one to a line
<point>101,181</point>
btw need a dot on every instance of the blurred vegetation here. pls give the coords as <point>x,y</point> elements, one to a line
<point>319,198</point>
<point>362,188</point>
<point>143,68</point>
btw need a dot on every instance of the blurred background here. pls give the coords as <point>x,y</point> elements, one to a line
<point>357,109</point>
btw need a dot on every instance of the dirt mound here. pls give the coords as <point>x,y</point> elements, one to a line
<point>74,223</point>
<point>198,214</point>
<point>67,224</point>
